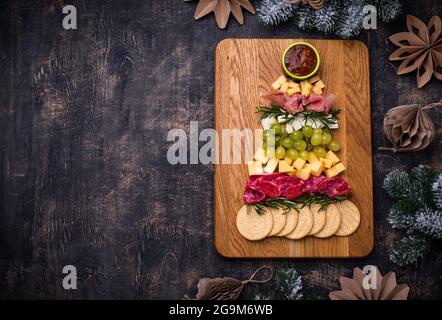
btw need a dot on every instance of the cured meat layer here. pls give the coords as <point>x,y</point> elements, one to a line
<point>276,185</point>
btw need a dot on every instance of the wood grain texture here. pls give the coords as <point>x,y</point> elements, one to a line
<point>83,173</point>
<point>244,70</point>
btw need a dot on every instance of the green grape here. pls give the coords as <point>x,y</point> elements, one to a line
<point>287,142</point>
<point>326,139</point>
<point>278,128</point>
<point>316,139</point>
<point>303,155</point>
<point>292,154</point>
<point>284,131</point>
<point>320,152</point>
<point>334,146</point>
<point>280,153</point>
<point>300,145</point>
<point>277,140</point>
<point>317,131</point>
<point>307,131</point>
<point>297,135</point>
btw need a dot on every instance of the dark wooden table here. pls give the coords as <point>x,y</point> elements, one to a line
<point>84,175</point>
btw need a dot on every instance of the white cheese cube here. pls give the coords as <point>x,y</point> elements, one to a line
<point>271,165</point>
<point>289,128</point>
<point>268,122</point>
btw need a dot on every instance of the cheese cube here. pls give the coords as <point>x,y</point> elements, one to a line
<point>293,173</point>
<point>306,88</point>
<point>289,128</point>
<point>284,86</point>
<point>298,123</point>
<point>293,88</point>
<point>260,155</point>
<point>271,165</point>
<point>334,171</point>
<point>289,161</point>
<point>299,163</point>
<point>332,156</point>
<point>312,157</point>
<point>314,79</point>
<point>317,90</point>
<point>306,166</point>
<point>339,167</point>
<point>284,167</point>
<point>254,167</point>
<point>268,122</point>
<point>327,163</point>
<point>303,174</point>
<point>319,85</point>
<point>278,83</point>
<point>316,168</point>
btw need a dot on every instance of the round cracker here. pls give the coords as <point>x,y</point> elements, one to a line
<point>292,221</point>
<point>318,218</point>
<point>351,218</point>
<point>332,222</point>
<point>254,226</point>
<point>279,221</point>
<point>305,224</point>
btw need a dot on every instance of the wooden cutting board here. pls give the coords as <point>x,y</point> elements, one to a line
<point>244,70</point>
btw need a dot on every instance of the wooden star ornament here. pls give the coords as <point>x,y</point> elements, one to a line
<point>419,49</point>
<point>222,10</point>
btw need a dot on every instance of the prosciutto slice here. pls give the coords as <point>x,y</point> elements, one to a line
<point>320,103</point>
<point>298,103</point>
<point>277,97</point>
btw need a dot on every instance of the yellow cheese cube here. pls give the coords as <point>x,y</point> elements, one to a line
<point>306,166</point>
<point>271,165</point>
<point>254,167</point>
<point>314,79</point>
<point>332,156</point>
<point>306,88</point>
<point>289,161</point>
<point>295,88</point>
<point>284,167</point>
<point>260,155</point>
<point>299,163</point>
<point>334,171</point>
<point>284,87</point>
<point>319,85</point>
<point>316,168</point>
<point>293,173</point>
<point>339,168</point>
<point>312,157</point>
<point>303,174</point>
<point>327,163</point>
<point>278,83</point>
<point>317,90</point>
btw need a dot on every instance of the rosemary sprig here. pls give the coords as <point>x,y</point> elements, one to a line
<point>273,111</point>
<point>327,119</point>
<point>298,203</point>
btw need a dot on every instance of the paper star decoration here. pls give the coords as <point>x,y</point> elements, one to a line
<point>419,49</point>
